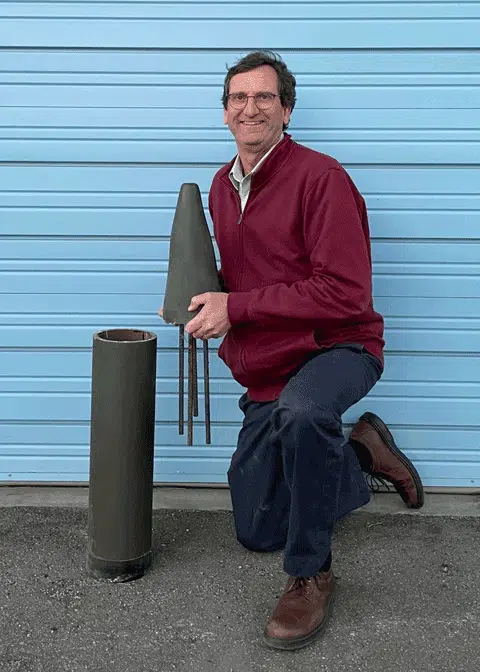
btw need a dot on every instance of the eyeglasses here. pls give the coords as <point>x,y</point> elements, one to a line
<point>262,100</point>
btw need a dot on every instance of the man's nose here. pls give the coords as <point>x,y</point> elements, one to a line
<point>250,108</point>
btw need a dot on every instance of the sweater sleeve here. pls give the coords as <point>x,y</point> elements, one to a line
<point>340,285</point>
<point>219,271</point>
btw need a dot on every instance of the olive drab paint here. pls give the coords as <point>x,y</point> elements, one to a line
<point>192,270</point>
<point>122,432</point>
<point>122,428</point>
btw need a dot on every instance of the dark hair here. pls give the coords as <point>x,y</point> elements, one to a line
<point>255,59</point>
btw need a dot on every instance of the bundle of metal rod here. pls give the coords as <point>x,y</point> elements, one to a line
<point>192,386</point>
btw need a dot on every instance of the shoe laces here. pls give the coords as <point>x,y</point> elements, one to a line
<point>301,587</point>
<point>375,482</point>
<point>300,582</point>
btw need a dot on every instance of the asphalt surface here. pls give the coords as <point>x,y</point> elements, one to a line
<point>408,598</point>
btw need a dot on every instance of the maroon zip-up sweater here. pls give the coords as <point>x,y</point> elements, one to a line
<point>296,265</point>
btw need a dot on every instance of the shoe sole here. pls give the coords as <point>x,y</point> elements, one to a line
<point>384,432</point>
<point>300,642</point>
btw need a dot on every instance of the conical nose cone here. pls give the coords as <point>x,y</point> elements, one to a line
<point>192,268</point>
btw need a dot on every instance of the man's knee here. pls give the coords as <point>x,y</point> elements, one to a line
<point>304,413</point>
<point>261,533</point>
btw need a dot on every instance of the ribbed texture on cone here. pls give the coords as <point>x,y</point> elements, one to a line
<point>192,268</point>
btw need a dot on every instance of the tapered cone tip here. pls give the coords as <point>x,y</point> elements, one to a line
<point>192,268</point>
<point>188,195</point>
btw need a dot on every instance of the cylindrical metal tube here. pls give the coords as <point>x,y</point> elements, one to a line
<point>121,454</point>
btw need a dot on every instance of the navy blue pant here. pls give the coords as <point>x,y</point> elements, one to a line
<point>293,473</point>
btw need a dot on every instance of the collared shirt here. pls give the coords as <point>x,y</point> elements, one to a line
<point>241,182</point>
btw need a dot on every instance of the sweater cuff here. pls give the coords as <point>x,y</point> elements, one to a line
<point>237,307</point>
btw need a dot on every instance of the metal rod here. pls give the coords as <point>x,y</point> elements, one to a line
<point>181,382</point>
<point>206,387</point>
<point>195,379</point>
<point>190,390</point>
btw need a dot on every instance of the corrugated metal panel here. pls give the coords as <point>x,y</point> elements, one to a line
<point>108,107</point>
<point>201,25</point>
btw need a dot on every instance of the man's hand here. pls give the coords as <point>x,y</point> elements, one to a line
<point>212,320</point>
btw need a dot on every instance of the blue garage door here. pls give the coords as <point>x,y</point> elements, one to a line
<point>106,108</point>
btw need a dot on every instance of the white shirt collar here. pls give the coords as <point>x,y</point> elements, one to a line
<point>236,171</point>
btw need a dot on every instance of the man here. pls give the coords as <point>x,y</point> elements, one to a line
<point>302,336</point>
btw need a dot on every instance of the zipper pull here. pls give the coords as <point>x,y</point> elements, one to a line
<point>240,218</point>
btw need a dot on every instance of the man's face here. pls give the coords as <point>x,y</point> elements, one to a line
<point>253,128</point>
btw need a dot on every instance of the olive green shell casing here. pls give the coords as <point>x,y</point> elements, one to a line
<point>121,453</point>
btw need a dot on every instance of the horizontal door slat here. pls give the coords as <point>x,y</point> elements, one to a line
<point>227,34</point>
<point>408,367</point>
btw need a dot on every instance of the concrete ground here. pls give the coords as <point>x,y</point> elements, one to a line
<point>408,598</point>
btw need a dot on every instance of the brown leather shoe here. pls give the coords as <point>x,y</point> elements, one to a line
<point>386,460</point>
<point>302,612</point>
